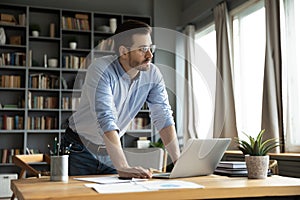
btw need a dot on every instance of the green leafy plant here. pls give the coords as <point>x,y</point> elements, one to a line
<point>256,146</point>
<point>159,144</point>
<point>34,27</point>
<point>72,39</point>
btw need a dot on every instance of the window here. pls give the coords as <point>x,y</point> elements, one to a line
<point>290,25</point>
<point>248,32</point>
<point>206,39</point>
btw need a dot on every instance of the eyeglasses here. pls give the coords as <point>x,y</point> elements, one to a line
<point>145,49</point>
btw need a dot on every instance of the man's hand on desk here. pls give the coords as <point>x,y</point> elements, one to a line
<point>134,172</point>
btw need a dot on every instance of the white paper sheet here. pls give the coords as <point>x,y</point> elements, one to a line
<point>108,179</point>
<point>142,186</point>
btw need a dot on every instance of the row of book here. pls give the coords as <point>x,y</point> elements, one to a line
<point>70,103</point>
<point>6,154</point>
<point>42,123</point>
<point>43,102</point>
<point>33,123</point>
<point>105,45</point>
<point>73,62</point>
<point>75,23</point>
<point>10,81</point>
<point>139,123</point>
<point>11,122</point>
<point>13,58</point>
<point>43,81</point>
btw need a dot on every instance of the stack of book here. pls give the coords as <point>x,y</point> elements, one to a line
<point>231,168</point>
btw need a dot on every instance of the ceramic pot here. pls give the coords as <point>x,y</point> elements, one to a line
<point>35,33</point>
<point>257,166</point>
<point>73,45</point>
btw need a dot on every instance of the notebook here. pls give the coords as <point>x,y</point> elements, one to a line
<point>199,157</point>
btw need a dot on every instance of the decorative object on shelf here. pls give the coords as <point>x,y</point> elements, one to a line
<point>2,36</point>
<point>103,28</point>
<point>45,60</point>
<point>73,43</point>
<point>255,152</point>
<point>15,40</point>
<point>52,30</point>
<point>7,19</point>
<point>35,30</point>
<point>53,62</point>
<point>113,24</point>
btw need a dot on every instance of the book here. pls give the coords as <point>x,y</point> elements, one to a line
<point>232,164</point>
<point>231,172</point>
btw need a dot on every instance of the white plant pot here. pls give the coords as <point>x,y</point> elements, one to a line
<point>257,166</point>
<point>73,45</point>
<point>35,33</point>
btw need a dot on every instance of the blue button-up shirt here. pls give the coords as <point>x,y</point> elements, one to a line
<point>110,99</point>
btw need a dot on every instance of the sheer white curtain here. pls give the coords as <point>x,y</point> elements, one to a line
<point>272,119</point>
<point>190,119</point>
<point>195,88</point>
<point>225,118</point>
<point>290,19</point>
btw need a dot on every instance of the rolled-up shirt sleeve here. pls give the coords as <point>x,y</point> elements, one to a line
<point>104,106</point>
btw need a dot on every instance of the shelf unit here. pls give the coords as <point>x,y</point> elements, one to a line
<point>37,99</point>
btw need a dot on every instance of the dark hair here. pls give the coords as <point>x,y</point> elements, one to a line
<point>124,32</point>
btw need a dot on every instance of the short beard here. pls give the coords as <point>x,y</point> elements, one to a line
<point>141,67</point>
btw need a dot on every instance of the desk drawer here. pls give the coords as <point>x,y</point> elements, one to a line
<point>5,179</point>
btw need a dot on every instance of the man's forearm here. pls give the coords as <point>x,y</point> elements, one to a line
<point>114,149</point>
<point>169,138</point>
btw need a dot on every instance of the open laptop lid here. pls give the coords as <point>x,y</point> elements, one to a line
<point>199,157</point>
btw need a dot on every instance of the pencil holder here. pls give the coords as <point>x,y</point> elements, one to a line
<point>59,168</point>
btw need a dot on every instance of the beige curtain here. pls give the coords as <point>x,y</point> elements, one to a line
<point>272,119</point>
<point>225,118</point>
<point>197,77</point>
<point>190,109</point>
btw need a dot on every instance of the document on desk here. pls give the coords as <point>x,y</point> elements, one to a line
<point>142,186</point>
<point>108,179</point>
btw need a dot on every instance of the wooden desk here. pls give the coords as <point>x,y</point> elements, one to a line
<point>215,187</point>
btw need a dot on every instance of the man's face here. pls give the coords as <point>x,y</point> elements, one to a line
<point>140,54</point>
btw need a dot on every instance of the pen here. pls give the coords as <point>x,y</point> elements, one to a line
<point>55,146</point>
<point>50,151</point>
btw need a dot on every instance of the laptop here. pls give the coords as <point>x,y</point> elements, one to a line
<point>199,157</point>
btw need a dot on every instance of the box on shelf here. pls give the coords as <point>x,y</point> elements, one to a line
<point>15,40</point>
<point>7,19</point>
<point>142,143</point>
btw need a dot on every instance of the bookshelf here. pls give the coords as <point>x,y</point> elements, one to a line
<point>37,96</point>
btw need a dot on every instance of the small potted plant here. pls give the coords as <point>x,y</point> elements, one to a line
<point>255,151</point>
<point>35,29</point>
<point>72,42</point>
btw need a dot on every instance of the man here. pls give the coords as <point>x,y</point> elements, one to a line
<point>114,91</point>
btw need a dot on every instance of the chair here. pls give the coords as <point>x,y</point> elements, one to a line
<point>149,158</point>
<point>273,166</point>
<point>24,161</point>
